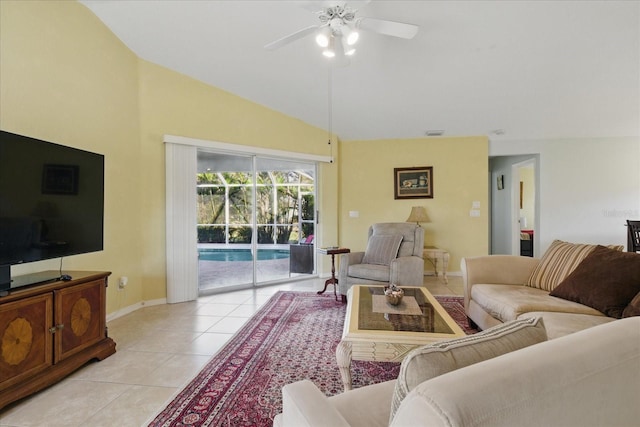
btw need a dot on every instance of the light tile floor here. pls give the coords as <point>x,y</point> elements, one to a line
<point>159,349</point>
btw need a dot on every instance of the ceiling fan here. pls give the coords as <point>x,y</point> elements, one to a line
<point>338,29</point>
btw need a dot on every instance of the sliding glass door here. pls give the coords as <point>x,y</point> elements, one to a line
<point>256,220</point>
<point>285,218</point>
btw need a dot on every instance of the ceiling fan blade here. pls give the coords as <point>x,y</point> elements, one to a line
<point>389,28</point>
<point>291,38</point>
<point>316,5</point>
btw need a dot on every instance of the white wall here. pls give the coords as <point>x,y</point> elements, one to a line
<point>587,187</point>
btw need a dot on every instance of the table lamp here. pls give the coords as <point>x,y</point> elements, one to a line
<point>418,214</point>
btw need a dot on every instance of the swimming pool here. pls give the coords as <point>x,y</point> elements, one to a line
<point>241,254</point>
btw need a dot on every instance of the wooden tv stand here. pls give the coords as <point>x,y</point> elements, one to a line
<point>48,330</point>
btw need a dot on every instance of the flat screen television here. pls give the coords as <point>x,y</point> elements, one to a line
<point>51,202</point>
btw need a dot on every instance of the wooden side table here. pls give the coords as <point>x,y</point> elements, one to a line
<point>333,280</point>
<point>437,256</point>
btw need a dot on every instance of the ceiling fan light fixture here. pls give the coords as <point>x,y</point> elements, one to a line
<point>339,46</point>
<point>346,48</point>
<point>350,35</point>
<point>322,40</point>
<point>330,50</point>
<point>329,53</point>
<point>323,37</point>
<point>353,38</point>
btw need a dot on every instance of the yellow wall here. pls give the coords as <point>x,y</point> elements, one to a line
<point>66,78</point>
<point>171,103</point>
<point>460,170</point>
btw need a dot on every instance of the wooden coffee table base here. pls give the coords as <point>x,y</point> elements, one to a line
<point>371,351</point>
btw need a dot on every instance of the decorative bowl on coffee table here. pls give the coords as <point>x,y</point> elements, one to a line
<point>393,294</point>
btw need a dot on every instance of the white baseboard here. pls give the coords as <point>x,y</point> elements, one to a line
<point>449,273</point>
<point>134,307</point>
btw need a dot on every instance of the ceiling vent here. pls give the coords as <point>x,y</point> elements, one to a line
<point>434,132</point>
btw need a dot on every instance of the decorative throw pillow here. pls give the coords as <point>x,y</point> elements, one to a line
<point>381,249</point>
<point>558,262</point>
<point>430,361</point>
<point>633,309</point>
<point>606,280</point>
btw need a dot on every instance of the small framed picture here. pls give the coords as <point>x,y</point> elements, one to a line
<point>413,183</point>
<point>60,179</point>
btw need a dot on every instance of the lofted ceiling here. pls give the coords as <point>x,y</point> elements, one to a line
<point>508,69</point>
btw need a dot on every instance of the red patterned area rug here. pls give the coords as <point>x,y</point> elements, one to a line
<point>293,337</point>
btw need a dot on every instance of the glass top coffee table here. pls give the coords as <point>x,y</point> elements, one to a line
<point>375,330</point>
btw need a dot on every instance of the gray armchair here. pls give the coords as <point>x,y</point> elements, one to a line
<point>393,255</point>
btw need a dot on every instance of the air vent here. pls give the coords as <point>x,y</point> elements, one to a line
<point>434,132</point>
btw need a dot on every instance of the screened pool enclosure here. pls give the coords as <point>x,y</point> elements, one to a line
<point>253,213</point>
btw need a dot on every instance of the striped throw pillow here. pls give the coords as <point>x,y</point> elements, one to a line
<point>382,249</point>
<point>558,262</point>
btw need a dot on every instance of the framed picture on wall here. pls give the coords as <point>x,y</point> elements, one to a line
<point>413,183</point>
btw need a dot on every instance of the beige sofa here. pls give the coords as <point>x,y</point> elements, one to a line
<point>495,292</point>
<point>538,385</point>
<point>499,288</point>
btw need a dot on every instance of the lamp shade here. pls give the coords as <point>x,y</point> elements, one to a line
<point>418,214</point>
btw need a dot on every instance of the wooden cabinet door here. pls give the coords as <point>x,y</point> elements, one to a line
<point>79,318</point>
<point>25,338</point>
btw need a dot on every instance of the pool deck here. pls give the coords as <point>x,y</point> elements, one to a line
<point>221,274</point>
<point>216,275</point>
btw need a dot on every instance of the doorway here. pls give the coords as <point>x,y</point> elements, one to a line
<point>514,183</point>
<point>523,220</point>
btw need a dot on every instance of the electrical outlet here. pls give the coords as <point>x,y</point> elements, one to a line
<point>123,282</point>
